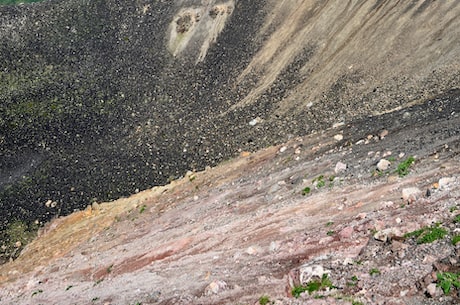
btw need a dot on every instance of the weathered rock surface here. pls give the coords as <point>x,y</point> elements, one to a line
<point>102,98</point>
<point>106,98</point>
<point>234,233</point>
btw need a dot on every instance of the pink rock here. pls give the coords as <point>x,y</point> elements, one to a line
<point>346,233</point>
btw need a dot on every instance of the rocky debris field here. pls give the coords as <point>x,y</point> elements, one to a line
<point>365,212</point>
<point>103,98</point>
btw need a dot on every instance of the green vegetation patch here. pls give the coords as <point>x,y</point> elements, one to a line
<point>447,280</point>
<point>264,300</point>
<point>315,285</point>
<point>374,271</point>
<point>320,182</point>
<point>427,234</point>
<point>306,191</point>
<point>403,167</point>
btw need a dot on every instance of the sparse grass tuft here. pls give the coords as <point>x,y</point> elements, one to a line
<point>447,280</point>
<point>374,271</point>
<point>457,219</point>
<point>312,286</point>
<point>264,300</point>
<point>455,239</point>
<point>403,167</point>
<point>306,191</point>
<point>319,181</point>
<point>427,235</point>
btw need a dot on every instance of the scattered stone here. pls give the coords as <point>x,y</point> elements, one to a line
<point>338,137</point>
<point>307,272</point>
<point>411,194</point>
<point>95,206</point>
<point>383,165</point>
<point>215,288</point>
<point>340,167</point>
<point>253,250</point>
<point>255,121</point>
<point>383,134</point>
<point>274,246</point>
<point>388,234</point>
<point>283,149</point>
<point>337,125</point>
<point>346,233</point>
<point>386,154</point>
<point>445,182</point>
<point>431,290</point>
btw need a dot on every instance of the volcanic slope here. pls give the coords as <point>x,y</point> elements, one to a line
<point>101,99</point>
<point>265,225</point>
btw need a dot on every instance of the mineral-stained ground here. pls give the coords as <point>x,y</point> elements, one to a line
<point>328,130</point>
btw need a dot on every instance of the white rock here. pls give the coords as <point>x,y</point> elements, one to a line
<point>338,137</point>
<point>337,125</point>
<point>444,182</point>
<point>274,246</point>
<point>387,234</point>
<point>383,165</point>
<point>411,194</point>
<point>283,149</point>
<point>215,287</point>
<point>253,250</point>
<point>255,121</point>
<point>340,167</point>
<point>431,289</point>
<point>48,203</point>
<point>308,272</point>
